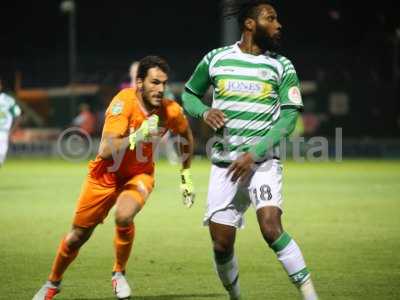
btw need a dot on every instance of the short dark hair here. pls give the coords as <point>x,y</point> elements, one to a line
<point>151,61</point>
<point>249,9</point>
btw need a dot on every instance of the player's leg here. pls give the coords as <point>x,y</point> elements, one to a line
<point>126,209</point>
<point>223,239</point>
<point>265,189</point>
<point>286,249</point>
<point>66,253</point>
<point>225,208</point>
<point>129,202</point>
<point>94,203</point>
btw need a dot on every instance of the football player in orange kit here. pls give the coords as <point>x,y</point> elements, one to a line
<point>122,173</point>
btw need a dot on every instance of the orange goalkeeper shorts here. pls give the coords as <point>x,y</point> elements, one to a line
<point>96,199</point>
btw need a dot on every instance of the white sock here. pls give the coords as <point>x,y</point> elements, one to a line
<point>228,273</point>
<point>308,291</point>
<point>291,258</point>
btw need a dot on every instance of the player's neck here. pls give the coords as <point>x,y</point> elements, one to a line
<point>247,45</point>
<point>147,108</point>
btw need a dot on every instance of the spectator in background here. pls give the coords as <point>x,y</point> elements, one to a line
<point>132,75</point>
<point>85,120</point>
<point>9,110</point>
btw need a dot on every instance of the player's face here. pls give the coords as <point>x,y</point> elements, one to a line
<point>153,86</point>
<point>268,30</point>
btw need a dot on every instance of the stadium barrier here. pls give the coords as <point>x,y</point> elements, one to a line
<point>73,144</point>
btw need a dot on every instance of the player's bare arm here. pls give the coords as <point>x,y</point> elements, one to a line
<point>185,145</point>
<point>112,143</point>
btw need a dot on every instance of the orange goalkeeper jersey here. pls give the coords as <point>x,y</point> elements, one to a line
<point>124,115</point>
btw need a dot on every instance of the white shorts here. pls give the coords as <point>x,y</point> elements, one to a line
<point>3,145</point>
<point>227,201</point>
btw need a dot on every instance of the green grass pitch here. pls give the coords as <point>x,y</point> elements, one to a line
<point>345,216</point>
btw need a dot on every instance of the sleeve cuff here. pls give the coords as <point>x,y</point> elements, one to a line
<point>254,155</point>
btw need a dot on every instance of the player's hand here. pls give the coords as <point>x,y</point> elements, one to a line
<point>214,118</point>
<point>241,168</point>
<point>187,188</point>
<point>146,130</point>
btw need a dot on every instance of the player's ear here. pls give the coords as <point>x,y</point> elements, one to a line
<point>139,84</point>
<point>249,24</point>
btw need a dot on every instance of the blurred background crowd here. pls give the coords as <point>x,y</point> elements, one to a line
<point>63,61</point>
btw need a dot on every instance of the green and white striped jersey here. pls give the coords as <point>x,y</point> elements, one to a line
<point>250,90</point>
<point>8,110</point>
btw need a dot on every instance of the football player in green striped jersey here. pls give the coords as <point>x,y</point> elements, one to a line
<point>256,103</point>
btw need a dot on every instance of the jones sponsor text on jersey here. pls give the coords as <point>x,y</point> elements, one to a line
<point>234,87</point>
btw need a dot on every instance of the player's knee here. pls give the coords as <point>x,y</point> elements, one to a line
<point>223,246</point>
<point>269,220</point>
<point>123,219</point>
<point>270,230</point>
<point>223,237</point>
<point>222,257</point>
<point>77,237</point>
<point>126,209</point>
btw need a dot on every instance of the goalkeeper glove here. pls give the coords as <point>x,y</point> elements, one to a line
<point>187,188</point>
<point>145,131</point>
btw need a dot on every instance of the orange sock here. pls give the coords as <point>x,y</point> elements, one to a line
<point>62,260</point>
<point>123,244</point>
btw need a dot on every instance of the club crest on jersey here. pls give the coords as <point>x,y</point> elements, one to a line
<point>117,108</point>
<point>294,95</point>
<point>264,74</point>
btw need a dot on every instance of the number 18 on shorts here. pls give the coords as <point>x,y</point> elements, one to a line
<point>228,201</point>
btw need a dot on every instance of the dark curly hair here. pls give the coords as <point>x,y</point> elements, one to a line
<point>151,61</point>
<point>243,9</point>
